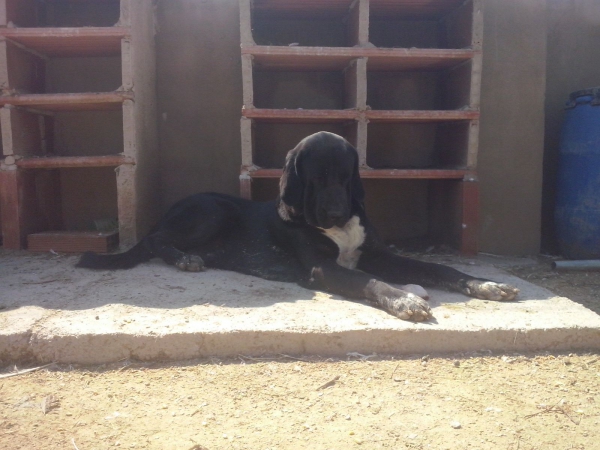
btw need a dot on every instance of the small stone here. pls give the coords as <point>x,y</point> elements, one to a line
<point>456,425</point>
<point>456,363</point>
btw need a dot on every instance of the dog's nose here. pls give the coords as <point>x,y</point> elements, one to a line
<point>335,213</point>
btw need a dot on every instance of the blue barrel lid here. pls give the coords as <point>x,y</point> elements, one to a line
<point>590,95</point>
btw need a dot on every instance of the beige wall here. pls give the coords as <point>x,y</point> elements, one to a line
<point>199,87</point>
<point>512,125</point>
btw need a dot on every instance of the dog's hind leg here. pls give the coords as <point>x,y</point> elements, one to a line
<point>162,244</point>
<point>188,226</point>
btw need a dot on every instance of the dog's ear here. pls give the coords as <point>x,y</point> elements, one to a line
<point>291,186</point>
<point>356,189</point>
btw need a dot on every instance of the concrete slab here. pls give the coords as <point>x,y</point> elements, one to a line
<point>50,311</point>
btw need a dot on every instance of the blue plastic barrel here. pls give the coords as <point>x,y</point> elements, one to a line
<point>577,213</point>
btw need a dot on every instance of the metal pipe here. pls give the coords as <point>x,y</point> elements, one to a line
<point>586,264</point>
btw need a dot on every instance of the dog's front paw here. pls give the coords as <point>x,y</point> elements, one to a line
<point>490,290</point>
<point>190,263</point>
<point>402,304</point>
<point>408,306</point>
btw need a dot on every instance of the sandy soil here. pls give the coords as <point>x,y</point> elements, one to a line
<point>479,402</point>
<point>475,401</point>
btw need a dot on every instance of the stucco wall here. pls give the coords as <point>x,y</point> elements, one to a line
<point>512,125</point>
<point>199,89</point>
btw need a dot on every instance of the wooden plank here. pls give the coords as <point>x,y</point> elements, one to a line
<point>426,174</point>
<point>270,57</point>
<point>300,115</point>
<point>397,116</point>
<point>72,241</point>
<point>253,172</point>
<point>423,174</point>
<point>69,42</point>
<point>337,58</point>
<point>10,209</point>
<point>73,162</point>
<point>96,101</point>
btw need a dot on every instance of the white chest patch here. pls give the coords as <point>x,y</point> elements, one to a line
<point>348,239</point>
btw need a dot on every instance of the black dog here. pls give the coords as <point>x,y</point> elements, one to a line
<point>315,234</point>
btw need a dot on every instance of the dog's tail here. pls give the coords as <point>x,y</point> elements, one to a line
<point>137,254</point>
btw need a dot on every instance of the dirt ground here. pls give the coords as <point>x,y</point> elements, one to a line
<point>474,401</point>
<point>581,287</point>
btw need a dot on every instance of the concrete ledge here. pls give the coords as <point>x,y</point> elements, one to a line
<point>54,312</point>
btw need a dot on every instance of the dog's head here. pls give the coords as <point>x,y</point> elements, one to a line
<point>320,182</point>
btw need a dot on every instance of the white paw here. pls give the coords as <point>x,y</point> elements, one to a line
<point>490,290</point>
<point>409,307</point>
<point>419,291</point>
<point>402,304</point>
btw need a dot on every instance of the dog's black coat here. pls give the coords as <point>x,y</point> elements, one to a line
<point>287,239</point>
